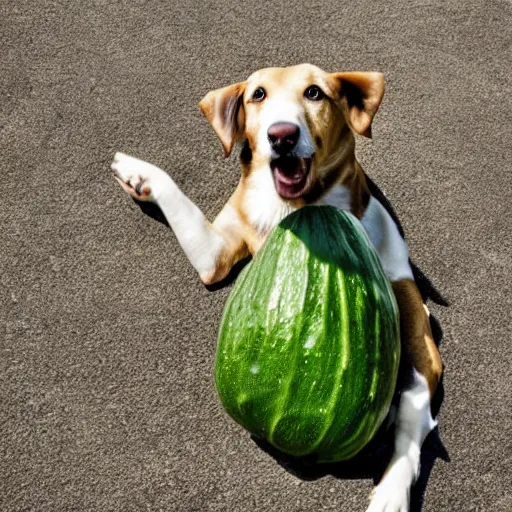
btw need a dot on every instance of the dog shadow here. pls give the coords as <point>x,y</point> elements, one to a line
<point>372,461</point>
<point>153,211</point>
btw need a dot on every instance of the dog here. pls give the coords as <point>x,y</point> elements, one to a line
<point>297,127</point>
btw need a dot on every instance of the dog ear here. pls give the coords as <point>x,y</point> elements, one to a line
<point>225,112</point>
<point>363,93</point>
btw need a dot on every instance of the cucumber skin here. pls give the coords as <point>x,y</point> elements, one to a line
<point>308,348</point>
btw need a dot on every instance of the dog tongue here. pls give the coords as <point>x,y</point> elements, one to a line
<point>291,176</point>
<point>291,170</point>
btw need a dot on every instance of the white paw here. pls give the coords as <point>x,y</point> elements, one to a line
<point>140,179</point>
<point>393,492</point>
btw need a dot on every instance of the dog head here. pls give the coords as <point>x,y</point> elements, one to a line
<point>296,122</point>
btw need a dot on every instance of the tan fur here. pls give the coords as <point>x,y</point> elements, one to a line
<point>221,108</point>
<point>416,333</point>
<point>363,94</point>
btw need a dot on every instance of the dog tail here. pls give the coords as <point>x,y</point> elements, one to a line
<point>424,284</point>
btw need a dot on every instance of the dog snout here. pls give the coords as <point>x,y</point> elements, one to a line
<point>283,137</point>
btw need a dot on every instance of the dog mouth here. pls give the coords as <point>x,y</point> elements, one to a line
<point>292,176</point>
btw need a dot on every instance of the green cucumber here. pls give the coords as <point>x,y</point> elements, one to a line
<point>309,347</point>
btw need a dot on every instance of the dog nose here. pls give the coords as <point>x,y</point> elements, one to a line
<point>283,137</point>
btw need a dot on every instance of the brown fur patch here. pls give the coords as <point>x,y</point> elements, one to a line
<point>417,341</point>
<point>359,194</point>
<point>224,110</point>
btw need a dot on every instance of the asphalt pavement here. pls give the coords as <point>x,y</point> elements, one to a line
<point>107,336</point>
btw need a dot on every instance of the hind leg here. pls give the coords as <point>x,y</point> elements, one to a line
<point>414,420</point>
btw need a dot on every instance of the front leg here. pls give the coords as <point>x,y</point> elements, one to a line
<point>211,249</point>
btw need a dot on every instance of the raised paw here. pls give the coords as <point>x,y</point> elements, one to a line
<point>140,179</point>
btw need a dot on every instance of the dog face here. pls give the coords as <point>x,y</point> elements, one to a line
<point>296,122</point>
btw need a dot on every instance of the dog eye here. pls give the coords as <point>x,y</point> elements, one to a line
<point>314,93</point>
<point>259,94</point>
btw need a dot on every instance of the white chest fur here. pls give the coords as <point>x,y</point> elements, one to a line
<point>263,206</point>
<point>381,230</point>
<point>266,209</point>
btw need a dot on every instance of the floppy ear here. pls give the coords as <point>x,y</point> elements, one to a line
<point>225,112</point>
<point>363,93</point>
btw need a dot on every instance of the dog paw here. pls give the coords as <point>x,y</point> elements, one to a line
<point>393,492</point>
<point>393,501</point>
<point>142,180</point>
